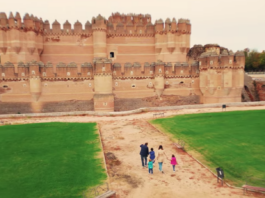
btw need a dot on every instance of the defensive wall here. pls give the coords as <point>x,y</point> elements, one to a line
<point>115,64</point>
<point>135,111</point>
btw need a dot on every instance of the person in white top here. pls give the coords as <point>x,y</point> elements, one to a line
<point>160,158</point>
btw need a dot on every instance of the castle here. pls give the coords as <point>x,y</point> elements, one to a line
<point>119,61</point>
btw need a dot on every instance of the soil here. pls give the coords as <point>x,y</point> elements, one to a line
<point>121,139</point>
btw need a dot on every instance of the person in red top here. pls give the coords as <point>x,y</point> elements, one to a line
<point>174,162</point>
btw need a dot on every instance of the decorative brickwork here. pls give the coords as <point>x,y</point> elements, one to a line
<point>124,58</point>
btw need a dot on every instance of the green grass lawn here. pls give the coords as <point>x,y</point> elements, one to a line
<point>234,141</point>
<point>49,160</point>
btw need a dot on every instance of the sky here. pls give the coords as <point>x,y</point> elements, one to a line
<point>234,24</point>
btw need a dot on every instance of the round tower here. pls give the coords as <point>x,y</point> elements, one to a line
<point>159,28</point>
<point>34,81</point>
<point>99,28</point>
<point>103,97</point>
<point>159,78</point>
<point>3,36</point>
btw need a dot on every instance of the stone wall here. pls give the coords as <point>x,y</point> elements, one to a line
<point>260,87</point>
<point>126,104</point>
<point>15,107</point>
<point>249,92</point>
<point>45,107</point>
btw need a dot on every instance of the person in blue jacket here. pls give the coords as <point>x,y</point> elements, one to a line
<point>152,155</point>
<point>144,153</point>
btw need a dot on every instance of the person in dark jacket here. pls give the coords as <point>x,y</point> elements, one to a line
<point>144,153</point>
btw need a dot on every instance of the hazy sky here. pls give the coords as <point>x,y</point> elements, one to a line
<point>235,24</point>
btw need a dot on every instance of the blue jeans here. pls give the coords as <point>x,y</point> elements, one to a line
<point>160,165</point>
<point>173,167</point>
<point>144,160</point>
<point>151,170</point>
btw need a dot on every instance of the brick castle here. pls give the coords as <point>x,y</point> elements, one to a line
<point>122,63</point>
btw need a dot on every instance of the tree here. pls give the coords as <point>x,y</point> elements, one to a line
<point>255,61</point>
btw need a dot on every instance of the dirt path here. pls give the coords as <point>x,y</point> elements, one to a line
<point>122,136</point>
<point>129,179</point>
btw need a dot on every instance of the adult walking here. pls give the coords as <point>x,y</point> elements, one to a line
<point>144,153</point>
<point>160,157</point>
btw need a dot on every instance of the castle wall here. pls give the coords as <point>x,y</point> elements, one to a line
<point>133,88</point>
<point>46,107</point>
<point>260,88</point>
<point>67,48</point>
<point>132,49</point>
<point>126,104</point>
<point>125,60</point>
<point>19,91</point>
<point>221,77</point>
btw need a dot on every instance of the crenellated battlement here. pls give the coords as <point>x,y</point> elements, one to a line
<point>30,22</point>
<point>122,56</point>
<point>221,72</point>
<point>74,71</point>
<point>116,25</point>
<point>211,60</point>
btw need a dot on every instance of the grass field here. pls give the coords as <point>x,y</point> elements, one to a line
<point>234,141</point>
<point>49,160</point>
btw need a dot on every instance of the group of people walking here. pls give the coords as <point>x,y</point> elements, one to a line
<point>159,158</point>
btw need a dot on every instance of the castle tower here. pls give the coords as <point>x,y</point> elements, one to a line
<point>184,29</point>
<point>221,75</point>
<point>99,28</point>
<point>3,36</point>
<point>20,42</point>
<point>172,40</point>
<point>103,97</point>
<point>34,81</point>
<point>159,78</point>
<point>159,28</point>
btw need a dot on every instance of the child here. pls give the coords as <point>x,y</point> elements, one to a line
<point>173,162</point>
<point>152,155</point>
<point>150,166</point>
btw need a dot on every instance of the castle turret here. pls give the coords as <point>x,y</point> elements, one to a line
<point>130,28</point>
<point>103,97</point>
<point>56,27</point>
<point>110,28</point>
<point>3,19</point>
<point>78,27</point>
<point>38,24</point>
<point>184,36</point>
<point>159,78</point>
<point>221,78</point>
<point>99,28</point>
<point>34,81</point>
<point>150,28</point>
<point>28,22</point>
<point>18,20</point>
<point>14,36</point>
<point>170,36</point>
<point>20,41</point>
<point>67,27</point>
<point>46,26</point>
<point>174,25</point>
<point>120,28</point>
<point>11,20</point>
<point>3,34</point>
<point>88,27</point>
<point>159,28</point>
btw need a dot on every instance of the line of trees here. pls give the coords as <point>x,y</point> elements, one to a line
<point>255,61</point>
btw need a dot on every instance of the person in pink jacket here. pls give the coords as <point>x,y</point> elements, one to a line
<point>174,162</point>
